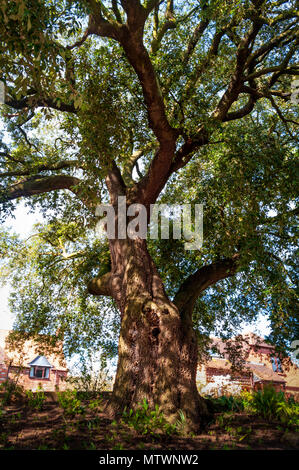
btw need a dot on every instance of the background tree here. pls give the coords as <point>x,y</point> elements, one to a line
<point>161,100</point>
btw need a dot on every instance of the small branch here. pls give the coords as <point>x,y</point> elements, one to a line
<point>169,23</point>
<point>80,41</point>
<point>197,34</point>
<point>130,164</point>
<point>33,101</point>
<point>281,116</point>
<point>116,11</point>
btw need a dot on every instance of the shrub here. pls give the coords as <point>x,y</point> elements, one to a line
<point>266,401</point>
<point>95,404</point>
<point>273,405</point>
<point>225,403</point>
<point>70,402</point>
<point>230,403</point>
<point>12,391</point>
<point>288,413</point>
<point>247,399</point>
<point>36,399</point>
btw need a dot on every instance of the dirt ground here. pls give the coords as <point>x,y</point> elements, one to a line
<point>24,428</point>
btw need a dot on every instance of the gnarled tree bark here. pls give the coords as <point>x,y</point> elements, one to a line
<point>157,353</point>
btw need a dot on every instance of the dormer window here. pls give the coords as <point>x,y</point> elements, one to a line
<point>39,368</point>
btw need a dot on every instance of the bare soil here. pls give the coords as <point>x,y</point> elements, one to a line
<point>23,428</point>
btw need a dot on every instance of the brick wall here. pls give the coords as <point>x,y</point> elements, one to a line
<point>244,380</point>
<point>3,373</point>
<point>50,385</point>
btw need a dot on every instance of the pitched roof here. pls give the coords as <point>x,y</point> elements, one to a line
<point>265,373</point>
<point>261,371</point>
<point>40,361</point>
<point>216,363</point>
<point>28,353</point>
<point>244,341</point>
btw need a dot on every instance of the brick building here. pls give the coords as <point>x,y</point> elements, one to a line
<point>260,366</point>
<point>29,368</point>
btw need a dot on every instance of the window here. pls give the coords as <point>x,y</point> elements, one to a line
<point>39,368</point>
<point>39,372</point>
<point>276,364</point>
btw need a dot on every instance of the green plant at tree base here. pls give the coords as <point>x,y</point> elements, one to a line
<point>268,403</point>
<point>229,403</point>
<point>95,404</point>
<point>70,403</point>
<point>288,413</point>
<point>36,399</point>
<point>151,422</point>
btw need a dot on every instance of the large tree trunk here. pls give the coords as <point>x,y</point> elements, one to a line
<point>157,345</point>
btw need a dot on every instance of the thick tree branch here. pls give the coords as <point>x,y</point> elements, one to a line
<point>150,186</point>
<point>130,36</point>
<point>100,285</point>
<point>45,184</point>
<point>98,24</point>
<point>242,112</point>
<point>202,279</point>
<point>32,100</point>
<point>236,82</point>
<point>270,45</point>
<point>197,34</point>
<point>133,161</point>
<point>57,166</point>
<point>115,183</point>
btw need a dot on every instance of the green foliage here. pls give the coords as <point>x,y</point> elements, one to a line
<point>273,405</point>
<point>288,413</point>
<point>80,106</point>
<point>266,401</point>
<point>151,422</point>
<point>71,404</point>
<point>228,403</point>
<point>54,299</point>
<point>247,399</point>
<point>95,404</point>
<point>11,391</point>
<point>36,399</point>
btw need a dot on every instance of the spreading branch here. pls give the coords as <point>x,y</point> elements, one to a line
<point>45,184</point>
<point>57,166</point>
<point>203,278</point>
<point>100,285</point>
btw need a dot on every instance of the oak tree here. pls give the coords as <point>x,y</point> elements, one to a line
<point>158,101</point>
